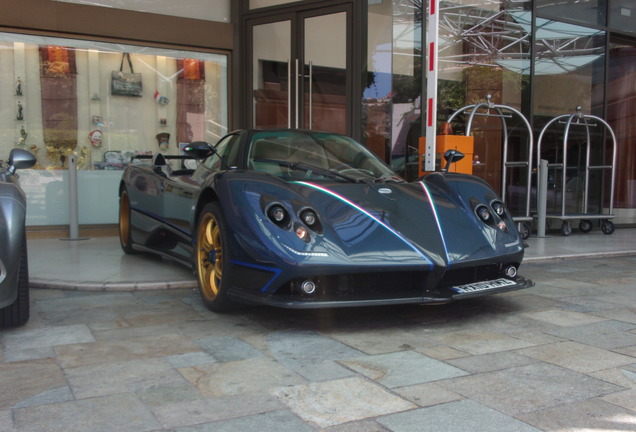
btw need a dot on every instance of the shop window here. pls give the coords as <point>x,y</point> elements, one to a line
<point>105,104</point>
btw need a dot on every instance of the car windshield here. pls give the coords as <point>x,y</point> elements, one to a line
<point>296,155</point>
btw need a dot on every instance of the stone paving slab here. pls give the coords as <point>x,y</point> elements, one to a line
<point>401,369</point>
<point>557,357</point>
<point>340,401</point>
<point>529,388</point>
<point>460,416</point>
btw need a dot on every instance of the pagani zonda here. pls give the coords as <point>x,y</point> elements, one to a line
<point>304,219</point>
<point>14,271</point>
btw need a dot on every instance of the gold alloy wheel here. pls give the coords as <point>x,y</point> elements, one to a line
<point>209,257</point>
<point>124,219</point>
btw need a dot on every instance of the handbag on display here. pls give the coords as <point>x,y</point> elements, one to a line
<point>126,83</point>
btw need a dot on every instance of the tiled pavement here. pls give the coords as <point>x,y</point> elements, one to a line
<point>557,357</point>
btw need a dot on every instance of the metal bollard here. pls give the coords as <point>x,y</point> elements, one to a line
<point>542,197</point>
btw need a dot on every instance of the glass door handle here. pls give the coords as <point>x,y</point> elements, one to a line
<point>289,94</point>
<point>311,95</point>
<point>297,96</point>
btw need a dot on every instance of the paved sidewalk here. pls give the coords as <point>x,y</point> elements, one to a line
<point>557,357</point>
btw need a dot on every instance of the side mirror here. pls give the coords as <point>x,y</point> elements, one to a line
<point>199,150</point>
<point>20,159</point>
<point>452,156</point>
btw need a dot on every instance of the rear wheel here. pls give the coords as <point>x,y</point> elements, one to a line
<point>125,239</point>
<point>211,259</point>
<point>17,313</point>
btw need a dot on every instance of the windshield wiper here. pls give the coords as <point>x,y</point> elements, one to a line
<point>386,179</point>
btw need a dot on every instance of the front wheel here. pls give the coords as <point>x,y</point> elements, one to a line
<point>212,264</point>
<point>17,313</point>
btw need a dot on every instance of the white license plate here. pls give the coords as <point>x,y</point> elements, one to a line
<point>483,286</point>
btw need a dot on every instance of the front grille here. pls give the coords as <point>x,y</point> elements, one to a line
<point>360,286</point>
<point>461,276</point>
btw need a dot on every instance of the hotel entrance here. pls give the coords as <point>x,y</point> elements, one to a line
<point>300,75</point>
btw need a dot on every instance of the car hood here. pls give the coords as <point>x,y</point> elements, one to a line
<point>424,224</point>
<point>429,220</point>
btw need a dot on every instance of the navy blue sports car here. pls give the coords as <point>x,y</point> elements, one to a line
<point>305,219</point>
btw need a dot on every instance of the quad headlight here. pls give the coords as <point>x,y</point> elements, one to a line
<point>499,208</point>
<point>278,215</point>
<point>311,220</point>
<point>281,217</point>
<point>493,215</point>
<point>483,213</point>
<point>309,217</point>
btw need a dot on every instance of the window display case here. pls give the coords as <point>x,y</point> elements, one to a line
<point>104,103</point>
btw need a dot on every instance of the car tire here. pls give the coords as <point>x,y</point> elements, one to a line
<point>17,313</point>
<point>211,260</point>
<point>125,237</point>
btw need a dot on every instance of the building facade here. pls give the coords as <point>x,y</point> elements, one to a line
<point>100,84</point>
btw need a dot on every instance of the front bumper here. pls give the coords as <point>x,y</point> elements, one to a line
<point>438,295</point>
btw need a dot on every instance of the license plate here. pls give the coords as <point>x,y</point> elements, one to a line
<point>483,286</point>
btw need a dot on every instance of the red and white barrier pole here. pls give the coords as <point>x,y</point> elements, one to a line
<point>431,85</point>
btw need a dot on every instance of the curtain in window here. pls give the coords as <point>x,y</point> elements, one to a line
<point>190,100</point>
<point>58,73</point>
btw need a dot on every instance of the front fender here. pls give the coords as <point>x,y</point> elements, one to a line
<point>12,232</point>
<point>469,239</point>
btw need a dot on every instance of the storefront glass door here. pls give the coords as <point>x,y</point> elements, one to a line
<point>300,75</point>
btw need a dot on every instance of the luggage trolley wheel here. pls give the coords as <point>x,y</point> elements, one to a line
<point>585,225</point>
<point>607,227</point>
<point>566,228</point>
<point>525,230</point>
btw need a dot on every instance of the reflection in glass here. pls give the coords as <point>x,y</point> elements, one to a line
<point>484,49</point>
<point>621,115</point>
<point>325,86</point>
<point>569,72</point>
<point>391,104</point>
<point>622,16</point>
<point>583,11</point>
<point>271,57</point>
<point>63,103</point>
<point>70,97</point>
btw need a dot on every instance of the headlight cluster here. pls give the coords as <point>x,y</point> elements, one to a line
<point>307,220</point>
<point>493,215</point>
